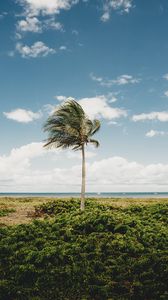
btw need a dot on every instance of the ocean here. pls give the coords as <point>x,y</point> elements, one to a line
<point>97,195</point>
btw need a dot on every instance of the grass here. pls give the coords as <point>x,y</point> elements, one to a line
<point>20,210</point>
<point>5,212</point>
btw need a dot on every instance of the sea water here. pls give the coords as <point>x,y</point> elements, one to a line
<point>97,195</point>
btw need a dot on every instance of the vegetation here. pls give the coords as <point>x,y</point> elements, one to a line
<point>106,252</point>
<point>19,209</point>
<point>5,212</point>
<point>70,127</point>
<point>23,208</point>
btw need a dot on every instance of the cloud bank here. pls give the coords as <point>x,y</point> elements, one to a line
<point>19,172</point>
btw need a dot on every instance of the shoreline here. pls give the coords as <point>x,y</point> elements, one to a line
<point>131,195</point>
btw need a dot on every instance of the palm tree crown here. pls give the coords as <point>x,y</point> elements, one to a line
<point>69,126</point>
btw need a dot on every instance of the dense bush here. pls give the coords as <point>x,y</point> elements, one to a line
<point>103,253</point>
<point>57,207</point>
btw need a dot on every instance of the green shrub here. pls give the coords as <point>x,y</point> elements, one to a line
<point>100,254</point>
<point>61,206</point>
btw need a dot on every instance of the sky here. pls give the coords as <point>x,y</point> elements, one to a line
<point>111,57</point>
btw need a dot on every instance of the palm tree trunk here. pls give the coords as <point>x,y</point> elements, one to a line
<point>82,206</point>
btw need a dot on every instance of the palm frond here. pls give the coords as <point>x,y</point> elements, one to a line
<point>96,126</point>
<point>69,126</point>
<point>94,142</point>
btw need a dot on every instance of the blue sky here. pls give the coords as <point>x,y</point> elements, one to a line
<point>109,55</point>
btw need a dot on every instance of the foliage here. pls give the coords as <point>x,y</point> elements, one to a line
<point>69,126</point>
<point>5,212</point>
<point>55,207</point>
<point>102,253</point>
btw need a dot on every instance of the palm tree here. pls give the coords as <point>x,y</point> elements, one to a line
<point>69,127</point>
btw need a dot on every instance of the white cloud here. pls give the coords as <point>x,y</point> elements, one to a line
<point>166,93</point>
<point>106,15</point>
<point>29,24</point>
<point>120,171</point>
<point>122,6</point>
<point>60,98</point>
<point>153,133</point>
<point>38,49</point>
<point>33,24</point>
<point>20,172</point>
<point>120,80</point>
<point>63,48</point>
<point>51,23</point>
<point>22,115</point>
<point>165,76</point>
<point>46,7</point>
<point>19,159</point>
<point>96,78</point>
<point>126,79</point>
<point>113,99</point>
<point>98,107</point>
<point>161,116</point>
<point>113,123</point>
